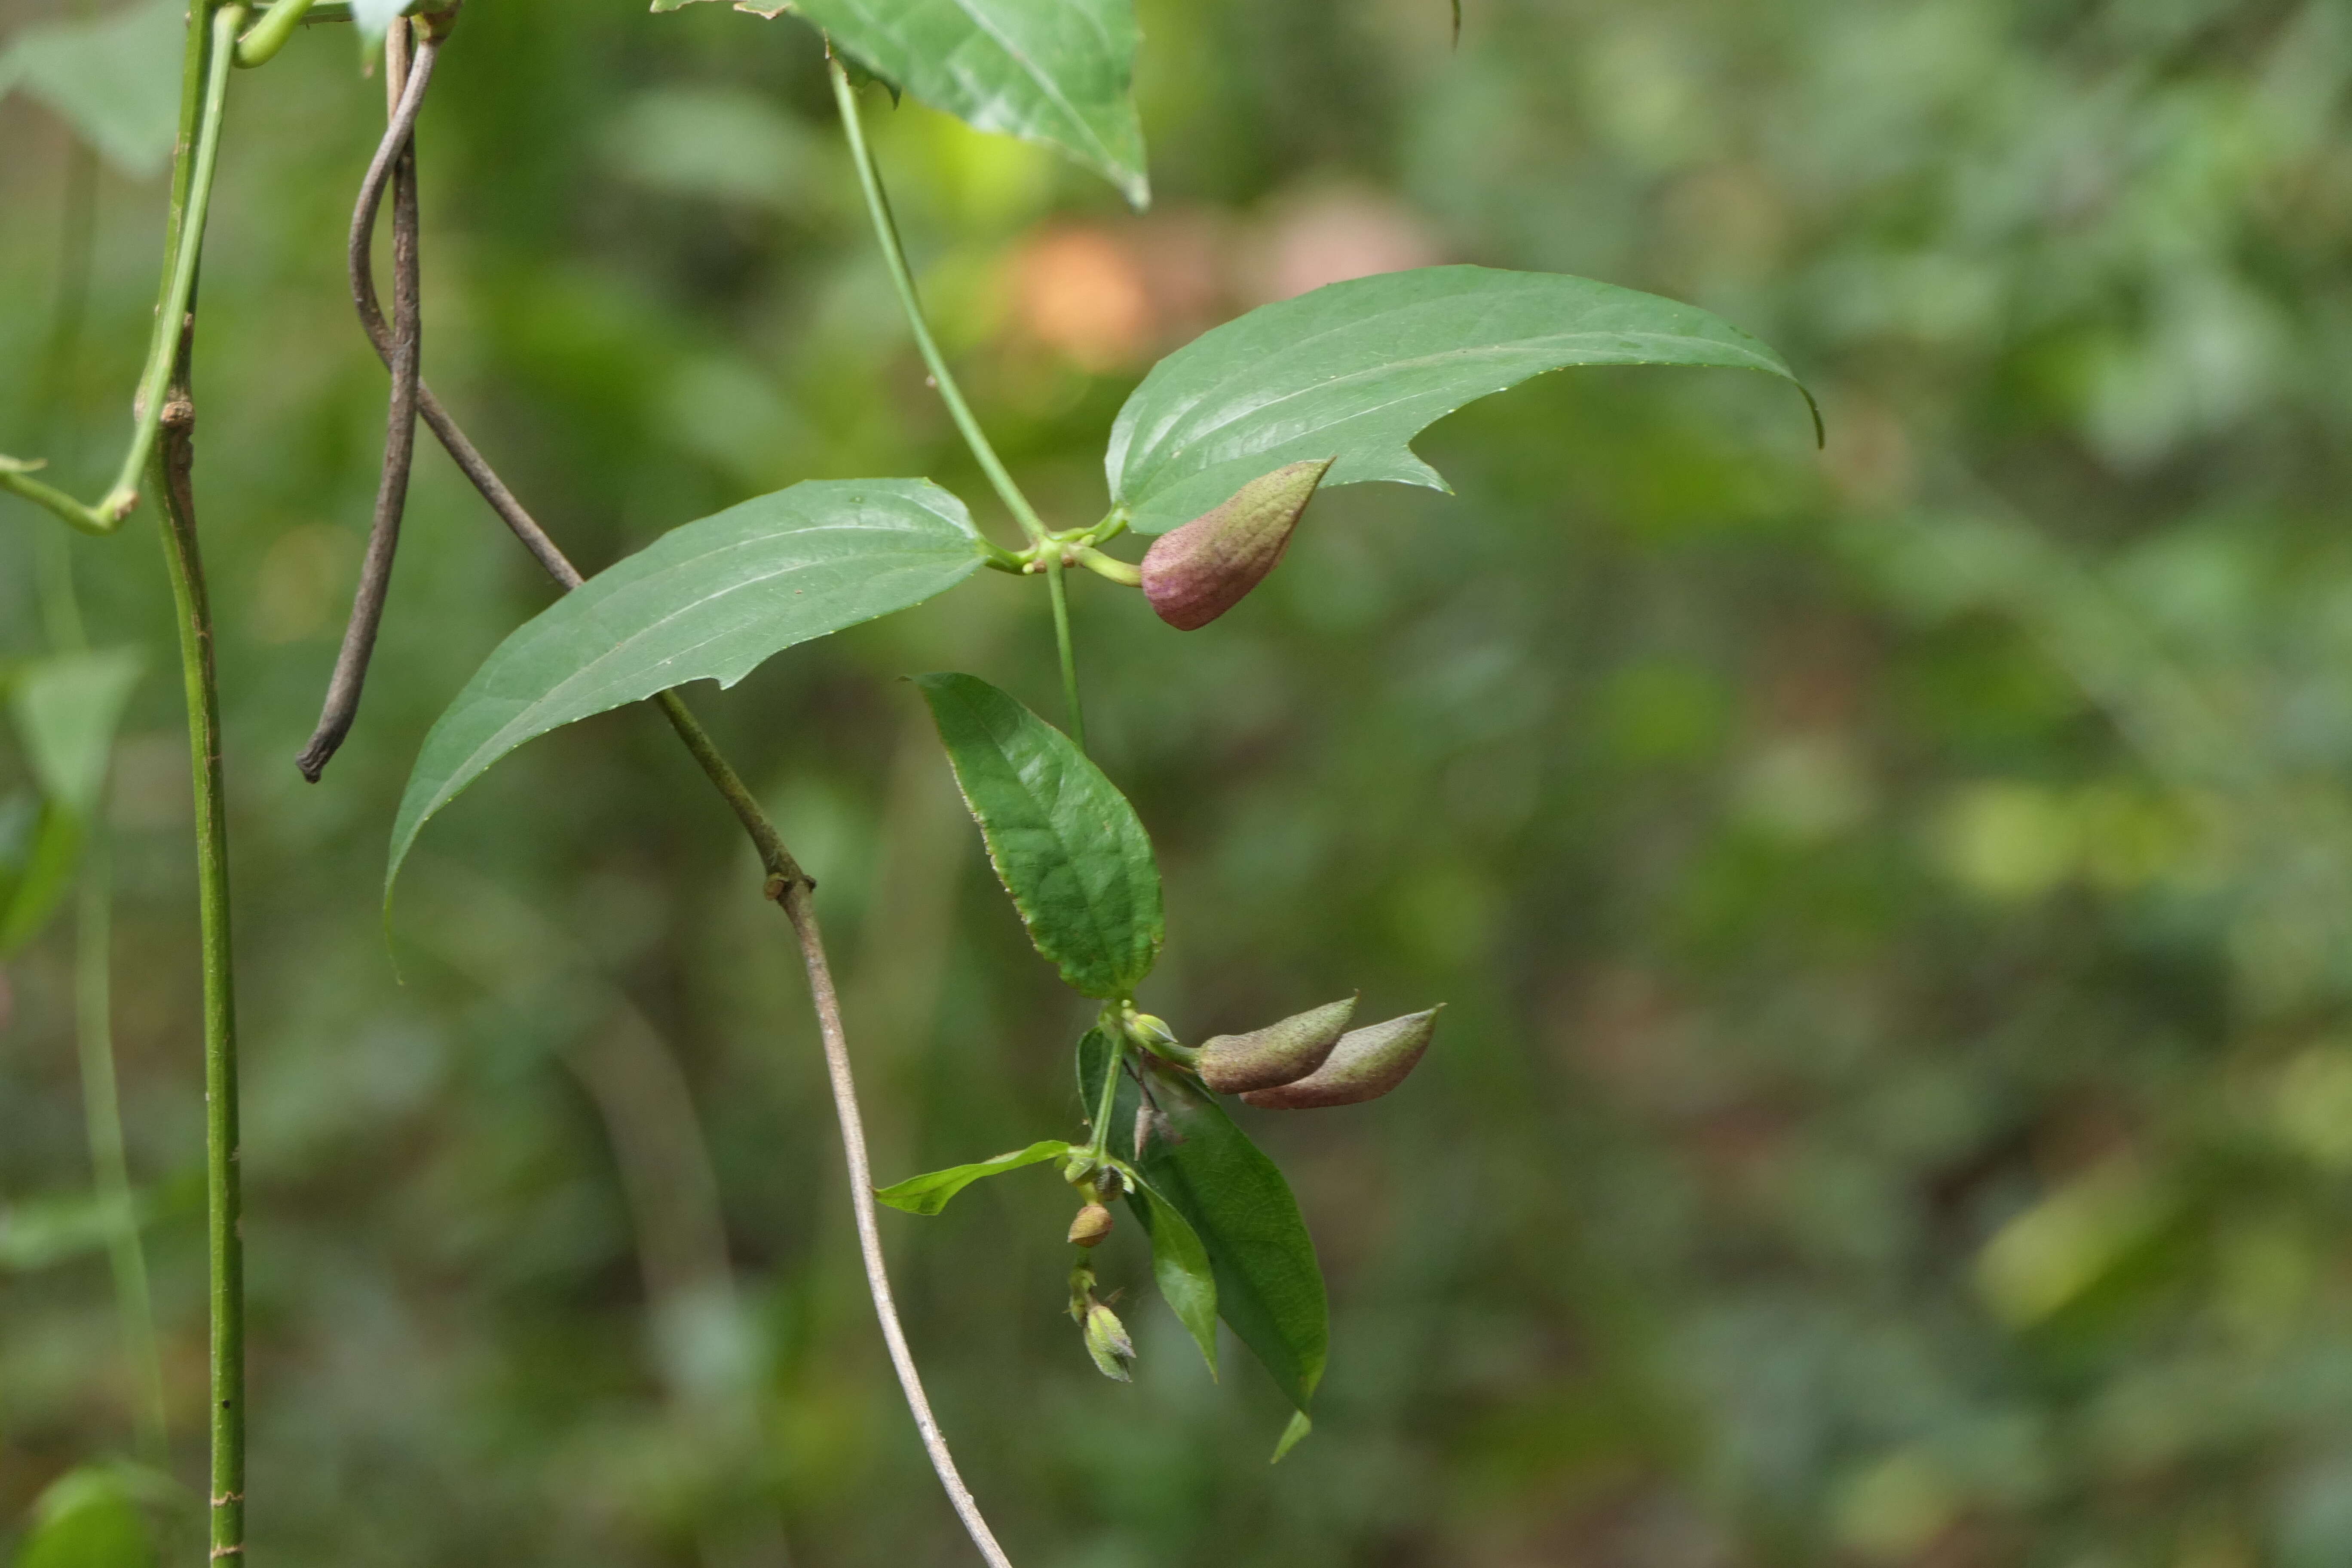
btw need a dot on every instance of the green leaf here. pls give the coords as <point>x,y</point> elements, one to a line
<point>1181,1265</point>
<point>709,601</point>
<point>116,80</point>
<point>1357,370</point>
<point>88,1518</point>
<point>1055,71</point>
<point>1269,1286</point>
<point>67,709</point>
<point>1292,1435</point>
<point>1064,842</point>
<point>929,1193</point>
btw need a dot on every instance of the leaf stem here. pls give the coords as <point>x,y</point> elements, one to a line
<point>885,230</point>
<point>1060,594</point>
<point>209,50</point>
<point>1100,1145</point>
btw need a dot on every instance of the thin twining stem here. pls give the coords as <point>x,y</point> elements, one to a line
<point>790,887</point>
<point>885,230</point>
<point>395,158</point>
<point>802,912</point>
<point>261,43</point>
<point>203,95</point>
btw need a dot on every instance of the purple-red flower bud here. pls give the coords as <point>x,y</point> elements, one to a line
<point>1196,573</point>
<point>1365,1065</point>
<point>1278,1054</point>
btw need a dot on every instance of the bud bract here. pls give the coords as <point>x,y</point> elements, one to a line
<point>1365,1065</point>
<point>1106,1341</point>
<point>1278,1054</point>
<point>1092,1224</point>
<point>1196,573</point>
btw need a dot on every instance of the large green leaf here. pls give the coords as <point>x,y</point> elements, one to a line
<point>1180,1267</point>
<point>115,79</point>
<point>1055,71</point>
<point>1269,1286</point>
<point>1064,842</point>
<point>709,601</point>
<point>1356,370</point>
<point>929,1193</point>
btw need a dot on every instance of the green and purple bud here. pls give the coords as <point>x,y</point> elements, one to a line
<point>1196,573</point>
<point>1106,1341</point>
<point>1278,1054</point>
<point>1365,1065</point>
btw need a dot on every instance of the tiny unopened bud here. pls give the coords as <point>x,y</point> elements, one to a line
<point>1365,1065</point>
<point>1196,573</point>
<point>1106,1341</point>
<point>1092,1224</point>
<point>1278,1054</point>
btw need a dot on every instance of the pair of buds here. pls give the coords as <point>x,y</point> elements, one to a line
<point>1313,1059</point>
<point>1195,573</point>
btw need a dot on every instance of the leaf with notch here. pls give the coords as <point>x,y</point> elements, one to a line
<point>929,1194</point>
<point>1269,1285</point>
<point>1064,842</point>
<point>709,601</point>
<point>1356,370</point>
<point>1055,71</point>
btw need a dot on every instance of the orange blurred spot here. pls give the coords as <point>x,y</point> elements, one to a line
<point>1083,294</point>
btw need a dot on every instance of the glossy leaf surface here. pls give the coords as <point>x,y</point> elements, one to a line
<point>929,1193</point>
<point>1064,842</point>
<point>1055,71</point>
<point>1355,370</point>
<point>709,601</point>
<point>1269,1285</point>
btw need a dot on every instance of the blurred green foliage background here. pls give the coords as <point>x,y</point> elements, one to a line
<point>1896,1105</point>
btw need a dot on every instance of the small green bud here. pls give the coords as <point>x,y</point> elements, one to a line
<point>1091,1226</point>
<point>1278,1054</point>
<point>1365,1065</point>
<point>1106,1341</point>
<point>1196,573</point>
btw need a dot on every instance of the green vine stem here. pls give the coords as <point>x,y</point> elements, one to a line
<point>886,232</point>
<point>225,1243</point>
<point>211,48</point>
<point>266,38</point>
<point>1058,590</point>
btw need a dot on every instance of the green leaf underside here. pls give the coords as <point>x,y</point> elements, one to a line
<point>709,601</point>
<point>1055,71</point>
<point>1269,1286</point>
<point>928,1194</point>
<point>1358,369</point>
<point>1064,842</point>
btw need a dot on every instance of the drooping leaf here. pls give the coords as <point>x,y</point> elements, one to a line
<point>115,79</point>
<point>1357,370</point>
<point>1064,842</point>
<point>929,1193</point>
<point>1180,1266</point>
<point>88,1518</point>
<point>1269,1286</point>
<point>709,601</point>
<point>1055,71</point>
<point>67,708</point>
